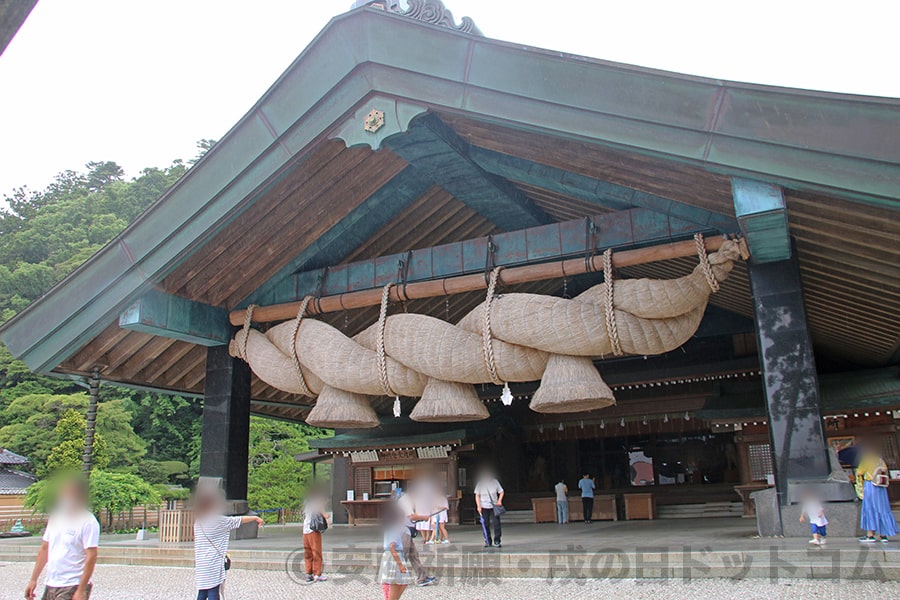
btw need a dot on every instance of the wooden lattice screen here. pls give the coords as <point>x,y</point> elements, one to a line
<point>362,481</point>
<point>760,461</point>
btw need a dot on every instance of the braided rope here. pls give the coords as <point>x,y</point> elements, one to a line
<point>382,358</point>
<point>487,343</point>
<point>704,263</point>
<point>248,318</point>
<point>296,359</point>
<point>612,329</point>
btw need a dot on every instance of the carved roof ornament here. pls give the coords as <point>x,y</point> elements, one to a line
<point>428,11</point>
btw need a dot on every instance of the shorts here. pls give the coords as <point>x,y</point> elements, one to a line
<point>423,525</point>
<point>441,517</point>
<point>818,529</point>
<point>63,593</point>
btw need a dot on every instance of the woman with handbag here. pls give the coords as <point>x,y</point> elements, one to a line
<point>872,479</point>
<point>211,533</point>
<point>314,523</point>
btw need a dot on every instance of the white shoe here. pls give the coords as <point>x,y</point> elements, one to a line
<point>815,542</point>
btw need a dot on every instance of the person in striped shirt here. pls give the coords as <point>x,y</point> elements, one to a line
<point>212,531</point>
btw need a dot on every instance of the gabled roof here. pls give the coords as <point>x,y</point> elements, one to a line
<point>281,192</point>
<point>8,458</point>
<point>15,482</point>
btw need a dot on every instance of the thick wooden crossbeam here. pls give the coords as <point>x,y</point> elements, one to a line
<point>478,281</point>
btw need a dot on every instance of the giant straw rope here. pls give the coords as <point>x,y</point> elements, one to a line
<point>507,338</point>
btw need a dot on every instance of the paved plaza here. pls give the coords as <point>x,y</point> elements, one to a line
<point>116,582</point>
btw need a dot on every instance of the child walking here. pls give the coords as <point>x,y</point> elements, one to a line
<point>394,571</point>
<point>813,510</point>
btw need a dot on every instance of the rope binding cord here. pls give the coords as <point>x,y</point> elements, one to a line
<point>296,359</point>
<point>704,263</point>
<point>248,319</point>
<point>487,344</point>
<point>590,230</point>
<point>612,329</point>
<point>381,356</point>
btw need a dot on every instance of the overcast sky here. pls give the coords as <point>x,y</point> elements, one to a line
<point>140,81</point>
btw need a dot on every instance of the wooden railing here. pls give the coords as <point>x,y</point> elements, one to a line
<point>176,525</point>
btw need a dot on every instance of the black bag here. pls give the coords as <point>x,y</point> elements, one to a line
<point>318,523</point>
<point>227,562</point>
<point>499,509</point>
<point>413,532</point>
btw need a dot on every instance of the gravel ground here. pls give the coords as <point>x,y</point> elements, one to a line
<point>163,583</point>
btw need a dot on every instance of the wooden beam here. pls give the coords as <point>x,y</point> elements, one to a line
<point>620,230</point>
<point>440,154</point>
<point>165,315</point>
<point>478,281</point>
<point>593,190</point>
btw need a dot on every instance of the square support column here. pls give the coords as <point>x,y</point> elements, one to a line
<point>789,375</point>
<point>225,441</point>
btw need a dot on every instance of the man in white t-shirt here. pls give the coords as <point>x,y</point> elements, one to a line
<point>69,547</point>
<point>488,499</point>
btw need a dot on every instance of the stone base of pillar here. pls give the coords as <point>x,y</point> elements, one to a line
<point>843,520</point>
<point>240,508</point>
<point>774,520</point>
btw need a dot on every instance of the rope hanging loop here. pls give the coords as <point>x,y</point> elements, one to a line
<point>704,263</point>
<point>294,358</point>
<point>612,329</point>
<point>382,357</point>
<point>487,343</point>
<point>248,319</point>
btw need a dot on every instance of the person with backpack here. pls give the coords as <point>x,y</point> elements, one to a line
<point>314,523</point>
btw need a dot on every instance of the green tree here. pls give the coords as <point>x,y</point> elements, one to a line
<point>276,479</point>
<point>67,455</point>
<point>112,492</point>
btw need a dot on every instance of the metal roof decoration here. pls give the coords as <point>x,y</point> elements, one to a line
<point>428,11</point>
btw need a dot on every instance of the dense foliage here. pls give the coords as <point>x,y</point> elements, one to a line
<point>143,438</point>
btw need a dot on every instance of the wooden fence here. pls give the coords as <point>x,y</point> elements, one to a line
<point>147,516</point>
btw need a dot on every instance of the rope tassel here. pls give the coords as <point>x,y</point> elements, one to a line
<point>397,410</point>
<point>506,397</point>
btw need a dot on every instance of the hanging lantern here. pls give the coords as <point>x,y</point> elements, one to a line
<point>397,406</point>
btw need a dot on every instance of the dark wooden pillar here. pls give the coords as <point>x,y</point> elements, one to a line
<point>225,438</point>
<point>341,481</point>
<point>789,374</point>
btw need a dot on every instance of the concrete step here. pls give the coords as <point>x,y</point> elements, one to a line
<point>706,510</point>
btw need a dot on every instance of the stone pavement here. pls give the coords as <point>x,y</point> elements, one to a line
<point>676,550</point>
<point>119,582</point>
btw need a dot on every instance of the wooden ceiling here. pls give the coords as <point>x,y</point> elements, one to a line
<point>848,251</point>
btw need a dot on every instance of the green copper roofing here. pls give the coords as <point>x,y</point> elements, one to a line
<point>839,143</point>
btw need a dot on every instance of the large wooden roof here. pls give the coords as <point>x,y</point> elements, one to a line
<point>283,192</point>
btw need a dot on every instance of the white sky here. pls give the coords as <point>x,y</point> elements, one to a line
<point>140,81</point>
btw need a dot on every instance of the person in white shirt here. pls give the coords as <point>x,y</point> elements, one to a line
<point>489,503</point>
<point>407,506</point>
<point>69,547</point>
<point>562,502</point>
<point>212,531</point>
<point>813,510</point>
